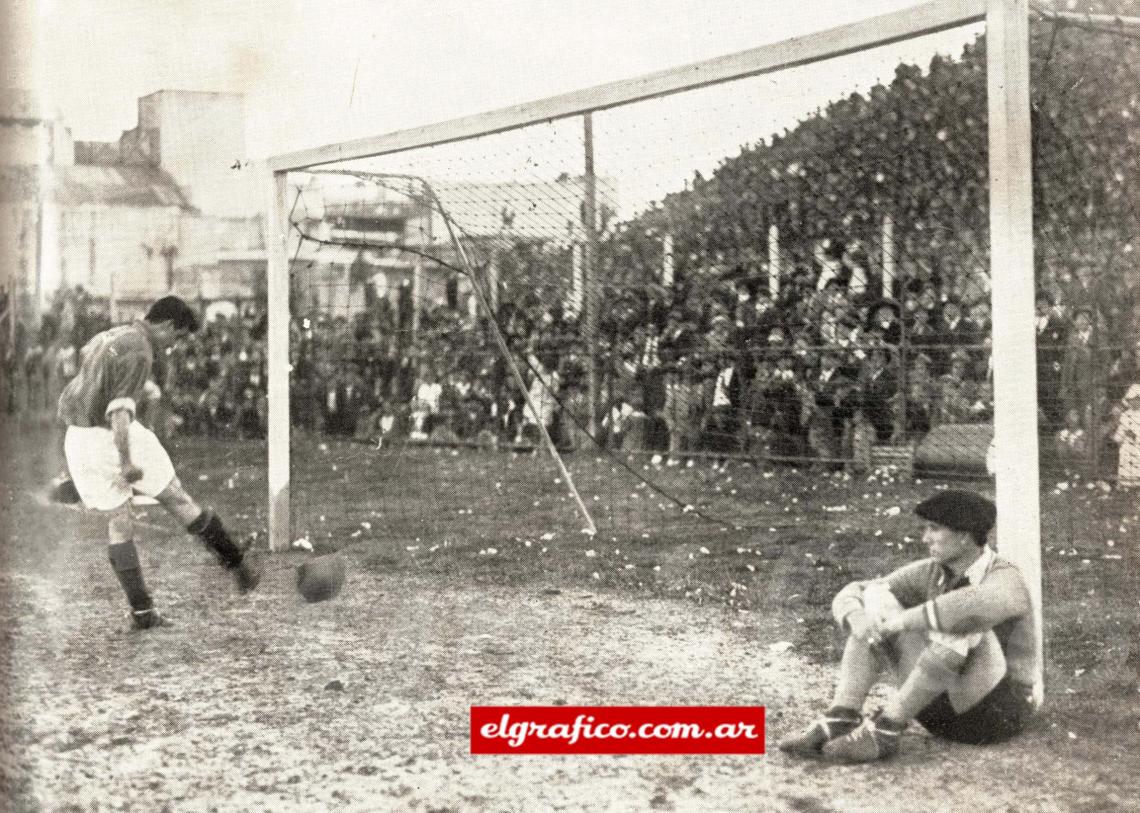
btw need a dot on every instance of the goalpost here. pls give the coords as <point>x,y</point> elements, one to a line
<point>1010,226</point>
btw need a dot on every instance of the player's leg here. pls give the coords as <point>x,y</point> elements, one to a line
<point>124,556</point>
<point>160,482</point>
<point>927,670</point>
<point>859,669</point>
<point>208,526</point>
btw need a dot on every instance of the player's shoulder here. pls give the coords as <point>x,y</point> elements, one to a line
<point>1003,567</point>
<point>917,571</point>
<point>126,340</point>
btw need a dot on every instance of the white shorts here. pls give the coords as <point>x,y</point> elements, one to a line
<point>93,462</point>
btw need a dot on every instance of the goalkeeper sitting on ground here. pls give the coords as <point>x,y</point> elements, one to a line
<point>956,630</point>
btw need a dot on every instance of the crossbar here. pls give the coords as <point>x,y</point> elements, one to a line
<point>928,18</point>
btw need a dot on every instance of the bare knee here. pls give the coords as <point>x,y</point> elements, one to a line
<point>175,500</point>
<point>941,662</point>
<point>120,525</point>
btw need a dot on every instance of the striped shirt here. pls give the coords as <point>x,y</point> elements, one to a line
<point>113,374</point>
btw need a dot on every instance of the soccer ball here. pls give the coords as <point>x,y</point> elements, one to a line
<point>321,577</point>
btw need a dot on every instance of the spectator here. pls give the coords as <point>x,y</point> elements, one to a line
<point>544,386</point>
<point>1051,341</point>
<point>1077,363</point>
<point>829,404</point>
<point>782,405</point>
<point>921,333</point>
<point>425,407</point>
<point>879,387</point>
<point>723,419</point>
<point>884,322</point>
<point>683,408</point>
<point>956,393</point>
<point>954,333</point>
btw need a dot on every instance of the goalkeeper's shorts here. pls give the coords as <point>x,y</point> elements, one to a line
<point>998,716</point>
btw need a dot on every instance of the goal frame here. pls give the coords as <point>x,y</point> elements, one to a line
<point>1011,233</point>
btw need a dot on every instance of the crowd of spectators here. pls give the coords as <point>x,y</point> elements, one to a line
<point>718,366</point>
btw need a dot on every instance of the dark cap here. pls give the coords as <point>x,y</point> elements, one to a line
<point>961,511</point>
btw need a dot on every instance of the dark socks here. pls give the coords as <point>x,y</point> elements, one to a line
<point>208,526</point>
<point>125,562</point>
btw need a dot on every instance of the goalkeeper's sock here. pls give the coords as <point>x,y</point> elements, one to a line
<point>209,528</point>
<point>124,558</point>
<point>936,669</point>
<point>844,713</point>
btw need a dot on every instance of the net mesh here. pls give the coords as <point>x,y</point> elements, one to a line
<point>739,309</point>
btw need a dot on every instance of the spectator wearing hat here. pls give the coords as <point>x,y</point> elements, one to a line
<point>956,629</point>
<point>921,332</point>
<point>783,412</point>
<point>880,384</point>
<point>830,399</point>
<point>723,418</point>
<point>953,333</point>
<point>884,322</point>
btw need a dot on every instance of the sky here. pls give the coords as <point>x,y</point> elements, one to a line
<point>320,71</point>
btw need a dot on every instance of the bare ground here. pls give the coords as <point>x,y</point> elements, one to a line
<point>267,703</point>
<point>236,707</point>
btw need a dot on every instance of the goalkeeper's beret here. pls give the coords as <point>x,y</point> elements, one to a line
<point>321,577</point>
<point>960,510</point>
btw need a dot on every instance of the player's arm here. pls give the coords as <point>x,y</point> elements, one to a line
<point>907,584</point>
<point>1002,595</point>
<point>120,420</point>
<point>128,374</point>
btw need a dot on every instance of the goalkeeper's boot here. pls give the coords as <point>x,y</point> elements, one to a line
<point>241,560</point>
<point>835,722</point>
<point>877,738</point>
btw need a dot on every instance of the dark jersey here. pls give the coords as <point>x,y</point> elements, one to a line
<point>115,367</point>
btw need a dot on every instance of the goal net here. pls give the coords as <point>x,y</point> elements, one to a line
<point>777,296</point>
<point>782,273</point>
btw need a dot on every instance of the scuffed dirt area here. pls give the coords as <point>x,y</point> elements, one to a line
<point>266,703</point>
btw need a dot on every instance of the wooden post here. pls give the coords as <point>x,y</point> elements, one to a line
<point>492,282</point>
<point>1011,273</point>
<point>425,241</point>
<point>277,360</point>
<point>667,260</point>
<point>888,249</point>
<point>774,260</point>
<point>590,272</point>
<point>577,280</point>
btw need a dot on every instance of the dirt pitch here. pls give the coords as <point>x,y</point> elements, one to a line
<point>266,703</point>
